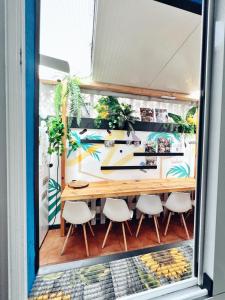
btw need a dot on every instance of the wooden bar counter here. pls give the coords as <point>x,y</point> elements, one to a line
<point>119,188</point>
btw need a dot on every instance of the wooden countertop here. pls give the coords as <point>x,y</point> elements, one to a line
<point>118,188</point>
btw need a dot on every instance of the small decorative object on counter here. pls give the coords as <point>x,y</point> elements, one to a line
<point>78,184</point>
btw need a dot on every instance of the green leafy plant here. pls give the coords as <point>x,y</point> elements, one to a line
<point>118,115</point>
<point>75,103</point>
<point>55,130</point>
<point>126,118</point>
<point>75,100</point>
<point>108,108</point>
<point>179,171</point>
<point>58,95</point>
<point>187,125</point>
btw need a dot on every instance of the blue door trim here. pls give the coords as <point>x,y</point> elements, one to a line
<point>32,48</point>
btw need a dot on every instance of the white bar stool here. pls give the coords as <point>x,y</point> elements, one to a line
<point>178,203</point>
<point>116,210</point>
<point>76,213</point>
<point>150,205</point>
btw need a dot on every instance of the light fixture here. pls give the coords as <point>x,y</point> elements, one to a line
<point>168,97</point>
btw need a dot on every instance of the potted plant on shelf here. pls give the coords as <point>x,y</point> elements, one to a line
<point>187,125</point>
<point>118,116</point>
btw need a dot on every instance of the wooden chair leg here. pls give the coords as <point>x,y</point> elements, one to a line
<point>124,237</point>
<point>128,227</point>
<point>139,224</point>
<point>168,222</point>
<point>85,239</point>
<point>92,232</point>
<point>66,240</point>
<point>107,233</point>
<point>156,228</point>
<point>185,226</point>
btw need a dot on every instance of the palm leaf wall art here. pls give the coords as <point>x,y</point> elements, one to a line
<point>54,190</point>
<point>154,136</point>
<point>87,147</point>
<point>179,171</point>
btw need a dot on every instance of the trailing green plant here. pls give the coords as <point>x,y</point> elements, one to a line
<point>118,115</point>
<point>58,96</point>
<point>187,125</point>
<point>75,103</point>
<point>75,100</point>
<point>73,143</point>
<point>55,130</point>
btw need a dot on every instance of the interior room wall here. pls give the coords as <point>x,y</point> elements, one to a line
<point>86,162</point>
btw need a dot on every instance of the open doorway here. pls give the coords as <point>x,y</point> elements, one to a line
<point>119,103</point>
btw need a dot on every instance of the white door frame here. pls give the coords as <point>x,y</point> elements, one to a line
<point>16,155</point>
<point>16,148</point>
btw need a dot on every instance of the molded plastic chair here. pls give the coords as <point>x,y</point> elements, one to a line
<point>150,205</point>
<point>76,213</point>
<point>178,203</point>
<point>116,210</point>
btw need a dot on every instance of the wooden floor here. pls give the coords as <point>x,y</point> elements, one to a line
<point>75,250</point>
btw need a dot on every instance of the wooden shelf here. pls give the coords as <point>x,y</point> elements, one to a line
<point>158,154</point>
<point>127,167</point>
<point>89,123</point>
<point>123,89</point>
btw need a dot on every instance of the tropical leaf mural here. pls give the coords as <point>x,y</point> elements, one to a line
<point>179,171</point>
<point>54,205</point>
<point>154,136</point>
<point>90,148</point>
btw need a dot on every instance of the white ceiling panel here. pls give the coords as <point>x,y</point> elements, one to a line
<point>146,44</point>
<point>184,67</point>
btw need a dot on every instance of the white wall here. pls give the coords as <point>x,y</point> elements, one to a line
<point>3,180</point>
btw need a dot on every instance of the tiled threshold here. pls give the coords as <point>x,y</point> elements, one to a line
<point>115,276</point>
